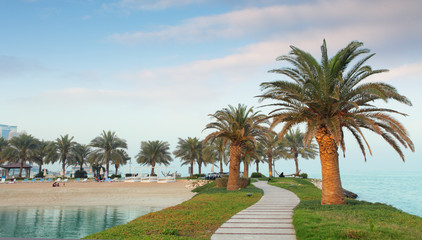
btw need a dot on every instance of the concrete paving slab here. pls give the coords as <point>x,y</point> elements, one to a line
<point>269,218</point>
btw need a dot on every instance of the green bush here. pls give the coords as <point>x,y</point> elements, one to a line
<point>257,175</point>
<point>304,175</point>
<point>39,175</point>
<point>222,182</point>
<point>115,176</point>
<point>80,174</point>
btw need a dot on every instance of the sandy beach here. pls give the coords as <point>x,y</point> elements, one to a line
<point>95,194</point>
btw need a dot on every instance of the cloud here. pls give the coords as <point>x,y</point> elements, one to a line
<point>275,21</point>
<point>148,4</point>
<point>11,66</point>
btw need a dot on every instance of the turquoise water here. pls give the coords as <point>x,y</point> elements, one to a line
<point>64,222</point>
<point>401,190</point>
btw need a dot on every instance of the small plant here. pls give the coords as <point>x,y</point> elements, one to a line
<point>304,175</point>
<point>116,176</point>
<point>39,175</point>
<point>170,232</point>
<point>80,174</point>
<point>257,175</point>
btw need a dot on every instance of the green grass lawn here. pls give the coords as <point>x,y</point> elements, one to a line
<point>356,220</point>
<point>197,218</point>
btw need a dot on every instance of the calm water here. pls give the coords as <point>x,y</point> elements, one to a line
<point>401,190</point>
<point>64,222</point>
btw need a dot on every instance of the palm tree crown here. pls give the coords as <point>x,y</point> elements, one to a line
<point>189,150</point>
<point>19,149</point>
<point>107,145</point>
<point>64,146</point>
<point>154,152</point>
<point>330,97</point>
<point>237,126</point>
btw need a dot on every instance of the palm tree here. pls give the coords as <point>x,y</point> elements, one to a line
<point>259,155</point>
<point>217,149</point>
<point>153,153</point>
<point>271,147</point>
<point>121,160</point>
<point>19,150</point>
<point>107,145</point>
<point>43,153</point>
<point>189,150</point>
<point>64,146</point>
<point>331,97</point>
<point>293,142</point>
<point>81,154</point>
<point>238,126</point>
<point>3,144</point>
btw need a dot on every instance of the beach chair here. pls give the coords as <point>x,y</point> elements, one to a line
<point>108,180</point>
<point>25,180</point>
<point>3,180</point>
<point>49,180</point>
<point>77,180</point>
<point>65,180</point>
<point>34,180</point>
<point>85,180</point>
<point>41,180</point>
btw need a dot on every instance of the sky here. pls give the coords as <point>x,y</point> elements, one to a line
<point>155,70</point>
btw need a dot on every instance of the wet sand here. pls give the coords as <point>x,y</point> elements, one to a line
<point>94,194</point>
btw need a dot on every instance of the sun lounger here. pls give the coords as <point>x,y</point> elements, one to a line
<point>34,180</point>
<point>25,180</point>
<point>49,180</point>
<point>77,180</point>
<point>85,180</point>
<point>41,180</point>
<point>3,180</point>
<point>65,180</point>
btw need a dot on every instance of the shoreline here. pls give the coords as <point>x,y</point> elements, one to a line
<point>74,194</point>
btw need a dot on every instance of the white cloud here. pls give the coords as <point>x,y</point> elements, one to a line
<point>263,23</point>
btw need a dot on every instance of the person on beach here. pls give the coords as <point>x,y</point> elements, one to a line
<point>56,184</point>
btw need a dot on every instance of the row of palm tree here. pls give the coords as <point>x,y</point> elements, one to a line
<point>328,98</point>
<point>103,149</point>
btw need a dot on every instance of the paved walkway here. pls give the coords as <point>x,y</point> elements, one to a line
<point>269,218</point>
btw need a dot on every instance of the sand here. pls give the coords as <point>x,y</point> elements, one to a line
<point>159,195</point>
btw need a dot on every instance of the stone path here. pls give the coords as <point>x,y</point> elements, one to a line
<point>269,218</point>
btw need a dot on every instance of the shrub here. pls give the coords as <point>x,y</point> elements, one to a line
<point>222,182</point>
<point>80,174</point>
<point>257,175</point>
<point>115,176</point>
<point>304,175</point>
<point>39,175</point>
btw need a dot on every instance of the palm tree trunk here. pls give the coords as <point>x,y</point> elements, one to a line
<point>152,169</point>
<point>117,167</point>
<point>235,153</point>
<point>107,156</point>
<point>199,168</point>
<point>245,169</point>
<point>221,163</point>
<point>191,168</point>
<point>40,165</point>
<point>20,169</point>
<point>257,166</point>
<point>270,164</point>
<point>64,166</point>
<point>297,166</point>
<point>331,183</point>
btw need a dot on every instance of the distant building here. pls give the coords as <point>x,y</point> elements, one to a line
<point>7,132</point>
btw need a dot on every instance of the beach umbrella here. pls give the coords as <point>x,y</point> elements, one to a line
<point>212,168</point>
<point>90,170</point>
<point>61,173</point>
<point>101,171</point>
<point>45,172</point>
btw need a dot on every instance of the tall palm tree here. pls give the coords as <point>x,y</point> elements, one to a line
<point>64,146</point>
<point>293,142</point>
<point>43,153</point>
<point>81,154</point>
<point>107,145</point>
<point>189,150</point>
<point>331,97</point>
<point>153,153</point>
<point>238,126</point>
<point>271,147</point>
<point>121,160</point>
<point>217,149</point>
<point>3,144</point>
<point>19,150</point>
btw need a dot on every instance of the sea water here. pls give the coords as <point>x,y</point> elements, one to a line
<point>64,222</point>
<point>400,190</point>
